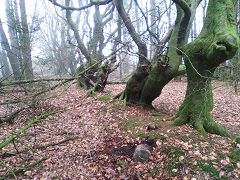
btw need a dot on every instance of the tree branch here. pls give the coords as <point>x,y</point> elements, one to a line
<point>146,20</point>
<point>80,43</point>
<point>92,3</point>
<point>185,21</point>
<point>142,48</point>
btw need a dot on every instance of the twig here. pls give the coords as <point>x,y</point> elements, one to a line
<point>92,3</point>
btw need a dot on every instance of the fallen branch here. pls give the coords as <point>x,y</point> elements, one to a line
<point>8,154</point>
<point>10,83</point>
<point>22,170</point>
<point>36,120</point>
<point>9,118</point>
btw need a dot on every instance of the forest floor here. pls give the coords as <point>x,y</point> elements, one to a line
<point>93,138</point>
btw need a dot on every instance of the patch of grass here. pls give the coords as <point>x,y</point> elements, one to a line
<point>173,161</point>
<point>131,123</point>
<point>104,98</point>
<point>175,154</point>
<point>162,138</point>
<point>221,156</point>
<point>228,168</point>
<point>155,135</point>
<point>121,164</point>
<point>166,149</point>
<point>105,109</point>
<point>138,175</point>
<point>136,127</point>
<point>238,139</point>
<point>210,169</point>
<point>134,122</point>
<point>153,172</point>
<point>115,106</point>
<point>235,156</point>
<point>207,167</point>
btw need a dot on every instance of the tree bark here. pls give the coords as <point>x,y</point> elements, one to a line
<point>25,43</point>
<point>217,42</point>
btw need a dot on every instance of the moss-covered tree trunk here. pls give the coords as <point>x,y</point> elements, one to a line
<point>217,42</point>
<point>161,73</point>
<point>149,79</point>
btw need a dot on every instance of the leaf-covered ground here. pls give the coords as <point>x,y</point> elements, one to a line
<point>93,138</point>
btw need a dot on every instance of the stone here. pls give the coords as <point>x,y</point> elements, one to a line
<point>142,152</point>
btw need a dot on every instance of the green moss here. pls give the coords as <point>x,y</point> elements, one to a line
<point>235,156</point>
<point>104,98</point>
<point>121,164</point>
<point>217,42</point>
<point>129,124</point>
<point>182,67</point>
<point>136,126</point>
<point>238,139</point>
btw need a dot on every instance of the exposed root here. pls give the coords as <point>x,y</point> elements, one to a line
<point>202,123</point>
<point>180,120</point>
<point>199,127</point>
<point>212,127</point>
<point>122,96</point>
<point>90,92</point>
<point>124,103</point>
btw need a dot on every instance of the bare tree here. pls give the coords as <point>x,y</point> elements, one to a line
<point>11,56</point>
<point>25,43</point>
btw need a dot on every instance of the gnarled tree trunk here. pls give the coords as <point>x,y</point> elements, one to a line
<point>149,79</point>
<point>217,42</point>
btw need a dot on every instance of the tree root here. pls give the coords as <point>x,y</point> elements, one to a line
<point>122,96</point>
<point>202,123</point>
